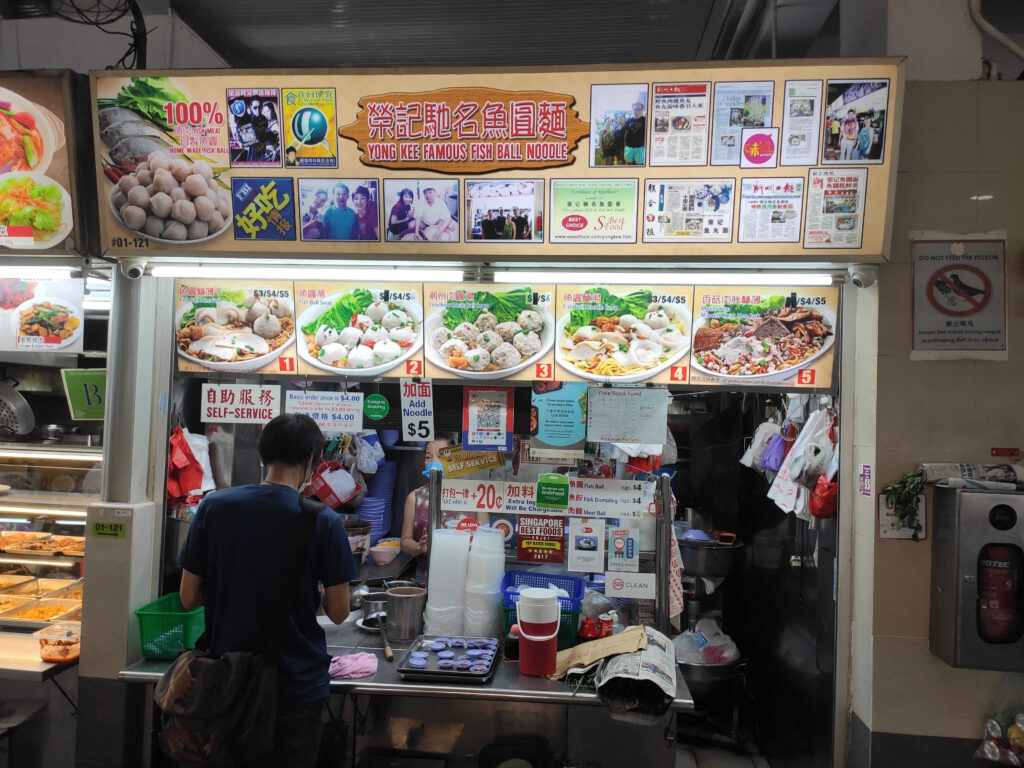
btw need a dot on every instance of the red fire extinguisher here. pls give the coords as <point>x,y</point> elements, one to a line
<point>999,598</point>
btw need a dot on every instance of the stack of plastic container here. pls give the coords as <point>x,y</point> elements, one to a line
<point>484,573</point>
<point>449,556</point>
<point>371,510</point>
<point>381,485</point>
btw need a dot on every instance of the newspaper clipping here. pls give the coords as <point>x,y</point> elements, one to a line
<point>688,210</point>
<point>681,117</point>
<point>770,210</point>
<point>801,121</point>
<point>835,208</point>
<point>738,106</point>
<point>619,675</point>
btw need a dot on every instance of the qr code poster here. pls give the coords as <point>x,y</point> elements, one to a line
<point>487,414</point>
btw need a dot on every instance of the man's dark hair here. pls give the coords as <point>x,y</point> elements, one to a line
<point>291,439</point>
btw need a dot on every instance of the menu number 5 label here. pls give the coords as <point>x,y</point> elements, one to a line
<point>806,376</point>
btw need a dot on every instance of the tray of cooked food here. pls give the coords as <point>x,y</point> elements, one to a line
<point>38,613</point>
<point>8,601</point>
<point>37,587</point>
<point>11,580</point>
<point>54,545</point>
<point>72,591</point>
<point>15,538</point>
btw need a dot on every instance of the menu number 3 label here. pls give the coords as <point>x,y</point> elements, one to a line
<point>543,371</point>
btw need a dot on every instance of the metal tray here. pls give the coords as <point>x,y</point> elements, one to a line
<point>38,587</point>
<point>10,618</point>
<point>44,547</point>
<point>14,538</point>
<point>9,580</point>
<point>65,592</point>
<point>434,673</point>
<point>12,601</point>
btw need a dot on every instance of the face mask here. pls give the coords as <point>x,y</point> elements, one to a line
<point>433,465</point>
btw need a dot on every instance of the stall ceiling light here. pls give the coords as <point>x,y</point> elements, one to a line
<point>14,520</point>
<point>54,456</point>
<point>306,273</point>
<point>25,561</point>
<point>71,522</point>
<point>45,511</point>
<point>37,273</point>
<point>668,278</point>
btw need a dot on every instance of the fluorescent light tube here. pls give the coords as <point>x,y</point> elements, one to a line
<point>37,273</point>
<point>44,511</point>
<point>58,456</point>
<point>283,272</point>
<point>670,277</point>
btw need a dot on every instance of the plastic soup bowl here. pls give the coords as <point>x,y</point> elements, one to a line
<point>384,555</point>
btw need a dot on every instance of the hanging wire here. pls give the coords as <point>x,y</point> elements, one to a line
<point>101,15</point>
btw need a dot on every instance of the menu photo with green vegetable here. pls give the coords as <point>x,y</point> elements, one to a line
<point>41,315</point>
<point>36,208</point>
<point>489,331</point>
<point>764,335</point>
<point>351,329</point>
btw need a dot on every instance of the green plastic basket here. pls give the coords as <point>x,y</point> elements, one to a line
<point>568,626</point>
<point>166,628</point>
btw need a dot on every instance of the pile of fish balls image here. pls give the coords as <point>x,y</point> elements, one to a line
<point>170,198</point>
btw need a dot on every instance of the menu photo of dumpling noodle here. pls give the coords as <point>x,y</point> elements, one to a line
<point>359,331</point>
<point>620,333</point>
<point>749,333</point>
<point>241,329</point>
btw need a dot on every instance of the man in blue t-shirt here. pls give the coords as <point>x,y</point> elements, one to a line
<point>234,562</point>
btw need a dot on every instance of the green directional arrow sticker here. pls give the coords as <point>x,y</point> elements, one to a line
<point>107,530</point>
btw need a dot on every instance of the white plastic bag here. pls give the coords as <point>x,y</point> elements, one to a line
<point>764,432</point>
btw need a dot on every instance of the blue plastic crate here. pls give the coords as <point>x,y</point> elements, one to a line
<point>571,584</point>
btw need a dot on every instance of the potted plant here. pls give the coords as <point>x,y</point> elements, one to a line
<point>905,496</point>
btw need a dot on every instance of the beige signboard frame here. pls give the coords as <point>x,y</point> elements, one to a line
<point>264,220</point>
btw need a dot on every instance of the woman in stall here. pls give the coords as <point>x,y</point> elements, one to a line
<point>417,512</point>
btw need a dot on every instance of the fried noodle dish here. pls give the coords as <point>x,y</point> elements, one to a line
<point>49,320</point>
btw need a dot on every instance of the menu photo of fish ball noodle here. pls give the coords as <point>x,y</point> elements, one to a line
<point>232,329</point>
<point>624,336</point>
<point>170,199</point>
<point>495,335</point>
<point>363,331</point>
<point>768,341</point>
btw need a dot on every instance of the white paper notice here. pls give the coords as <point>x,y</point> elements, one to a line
<point>586,544</point>
<point>240,403</point>
<point>801,122</point>
<point>688,211</point>
<point>332,411</point>
<point>623,550</point>
<point>639,586</point>
<point>835,207</point>
<point>770,210</point>
<point>681,119</point>
<point>597,497</point>
<point>738,106</point>
<point>626,414</point>
<point>417,409</point>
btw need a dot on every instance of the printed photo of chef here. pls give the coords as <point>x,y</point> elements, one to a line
<point>505,210</point>
<point>421,209</point>
<point>339,209</point>
<point>618,125</point>
<point>855,121</point>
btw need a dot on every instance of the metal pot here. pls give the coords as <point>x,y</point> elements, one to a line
<point>374,602</point>
<point>709,682</point>
<point>52,433</point>
<point>708,558</point>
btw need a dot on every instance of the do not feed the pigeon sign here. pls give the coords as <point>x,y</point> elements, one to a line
<point>959,296</point>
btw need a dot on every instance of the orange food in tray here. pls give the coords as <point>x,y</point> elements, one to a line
<point>39,612</point>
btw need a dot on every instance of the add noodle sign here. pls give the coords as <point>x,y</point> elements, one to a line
<point>467,130</point>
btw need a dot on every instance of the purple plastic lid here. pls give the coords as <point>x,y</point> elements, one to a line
<point>417,662</point>
<point>464,664</point>
<point>445,654</point>
<point>479,668</point>
<point>419,654</point>
<point>463,657</point>
<point>444,640</point>
<point>445,663</point>
<point>436,646</point>
<point>458,643</point>
<point>474,653</point>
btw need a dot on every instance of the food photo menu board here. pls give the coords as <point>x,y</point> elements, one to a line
<point>41,315</point>
<point>623,333</point>
<point>37,201</point>
<point>552,163</point>
<point>349,329</point>
<point>764,335</point>
<point>489,331</point>
<point>235,327</point>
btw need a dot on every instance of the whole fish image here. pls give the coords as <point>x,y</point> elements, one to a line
<point>132,150</point>
<point>116,132</point>
<point>110,115</point>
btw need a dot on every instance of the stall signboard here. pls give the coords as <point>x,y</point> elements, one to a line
<point>540,539</point>
<point>623,334</point>
<point>521,499</point>
<point>485,332</point>
<point>417,409</point>
<point>351,329</point>
<point>41,315</point>
<point>38,200</point>
<point>608,497</point>
<point>240,403</point>
<point>398,163</point>
<point>334,412</point>
<point>558,419</point>
<point>86,392</point>
<point>235,327</point>
<point>765,336</point>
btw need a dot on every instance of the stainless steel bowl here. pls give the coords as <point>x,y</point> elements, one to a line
<point>52,432</point>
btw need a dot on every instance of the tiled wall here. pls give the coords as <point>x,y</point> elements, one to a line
<point>959,139</point>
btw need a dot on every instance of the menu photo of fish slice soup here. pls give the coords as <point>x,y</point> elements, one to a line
<point>764,335</point>
<point>489,331</point>
<point>246,328</point>
<point>351,330</point>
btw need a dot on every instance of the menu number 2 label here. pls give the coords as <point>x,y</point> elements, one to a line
<point>413,367</point>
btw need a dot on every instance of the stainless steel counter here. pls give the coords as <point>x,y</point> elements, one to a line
<point>19,659</point>
<point>506,684</point>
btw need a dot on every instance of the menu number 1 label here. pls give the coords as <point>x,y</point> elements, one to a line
<point>286,364</point>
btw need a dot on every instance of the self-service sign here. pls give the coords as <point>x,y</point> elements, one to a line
<point>240,403</point>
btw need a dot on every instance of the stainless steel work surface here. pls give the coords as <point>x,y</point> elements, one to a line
<point>506,685</point>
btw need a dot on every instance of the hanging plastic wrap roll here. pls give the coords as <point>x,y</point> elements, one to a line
<point>483,584</point>
<point>449,556</point>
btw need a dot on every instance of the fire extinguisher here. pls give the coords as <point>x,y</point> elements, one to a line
<point>999,598</point>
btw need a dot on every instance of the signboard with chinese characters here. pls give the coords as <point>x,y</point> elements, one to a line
<point>351,329</point>
<point>484,332</point>
<point>456,462</point>
<point>594,497</point>
<point>764,335</point>
<point>239,403</point>
<point>540,539</point>
<point>623,334</point>
<point>245,327</point>
<point>417,409</point>
<point>333,412</point>
<point>383,163</point>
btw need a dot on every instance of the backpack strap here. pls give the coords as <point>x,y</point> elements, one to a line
<point>277,617</point>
